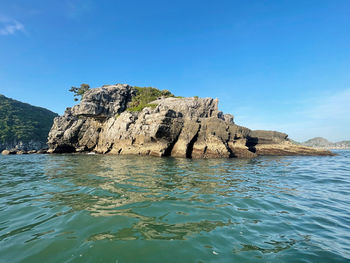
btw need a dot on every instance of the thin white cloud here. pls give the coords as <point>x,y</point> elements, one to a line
<point>9,26</point>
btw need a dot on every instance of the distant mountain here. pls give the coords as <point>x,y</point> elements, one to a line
<point>320,142</point>
<point>22,125</point>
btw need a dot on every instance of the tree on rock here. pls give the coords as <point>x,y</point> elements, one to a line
<point>79,91</point>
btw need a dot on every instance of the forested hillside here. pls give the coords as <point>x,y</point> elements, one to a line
<point>23,123</point>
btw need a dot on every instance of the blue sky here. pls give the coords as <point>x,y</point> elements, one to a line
<point>277,65</point>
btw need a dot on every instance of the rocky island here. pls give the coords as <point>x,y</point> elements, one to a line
<point>114,119</point>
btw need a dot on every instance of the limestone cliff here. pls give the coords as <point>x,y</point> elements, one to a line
<point>178,127</point>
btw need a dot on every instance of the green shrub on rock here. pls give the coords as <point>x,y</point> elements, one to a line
<point>145,95</point>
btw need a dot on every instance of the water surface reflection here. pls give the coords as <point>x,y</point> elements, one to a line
<point>221,209</point>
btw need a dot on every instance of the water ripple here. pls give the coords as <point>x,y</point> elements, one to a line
<point>83,208</point>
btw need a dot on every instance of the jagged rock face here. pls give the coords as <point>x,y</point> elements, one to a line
<point>104,102</point>
<point>190,108</point>
<point>178,127</point>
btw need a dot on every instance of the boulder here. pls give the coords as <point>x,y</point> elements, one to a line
<point>5,152</point>
<point>8,152</point>
<point>42,151</point>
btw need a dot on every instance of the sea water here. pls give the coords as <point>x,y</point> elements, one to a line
<point>102,208</point>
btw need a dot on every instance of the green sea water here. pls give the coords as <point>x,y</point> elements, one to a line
<point>94,208</point>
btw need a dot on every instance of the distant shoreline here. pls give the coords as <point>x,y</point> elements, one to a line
<point>322,143</point>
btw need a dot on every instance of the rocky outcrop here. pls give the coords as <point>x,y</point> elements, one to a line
<point>178,127</point>
<point>8,152</point>
<point>19,152</point>
<point>104,102</point>
<point>22,145</point>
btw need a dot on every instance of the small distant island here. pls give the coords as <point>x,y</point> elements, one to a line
<point>319,142</point>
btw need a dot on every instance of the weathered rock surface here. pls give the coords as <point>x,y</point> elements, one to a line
<point>104,102</point>
<point>178,127</point>
<point>19,152</point>
<point>8,152</point>
<point>22,146</point>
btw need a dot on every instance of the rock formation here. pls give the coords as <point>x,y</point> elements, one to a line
<point>178,127</point>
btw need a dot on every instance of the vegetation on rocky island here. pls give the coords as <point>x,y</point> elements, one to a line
<point>79,92</point>
<point>144,97</point>
<point>23,122</point>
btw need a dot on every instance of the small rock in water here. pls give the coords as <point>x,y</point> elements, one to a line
<point>7,152</point>
<point>42,151</point>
